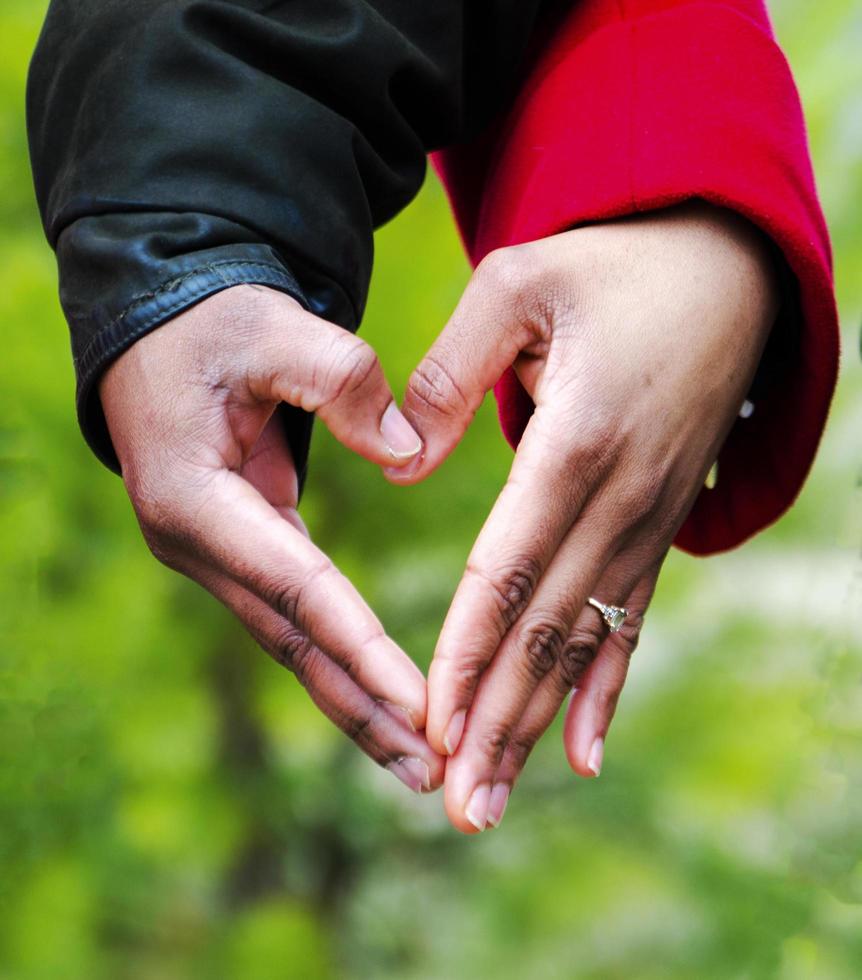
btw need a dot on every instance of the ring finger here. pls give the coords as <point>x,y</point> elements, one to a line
<point>592,708</point>
<point>478,785</point>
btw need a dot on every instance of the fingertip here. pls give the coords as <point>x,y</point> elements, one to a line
<point>417,712</point>
<point>454,731</point>
<point>406,472</point>
<point>579,738</point>
<point>464,827</point>
<point>579,764</point>
<point>436,449</point>
<point>596,755</point>
<point>500,793</point>
<point>412,771</point>
<point>401,714</point>
<point>403,443</point>
<point>436,771</point>
<point>436,742</point>
<point>435,735</point>
<point>478,806</point>
<point>466,800</point>
<point>457,815</point>
<point>408,712</point>
<point>416,765</point>
<point>405,690</point>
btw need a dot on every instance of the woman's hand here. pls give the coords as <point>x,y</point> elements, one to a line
<point>206,465</point>
<point>638,340</point>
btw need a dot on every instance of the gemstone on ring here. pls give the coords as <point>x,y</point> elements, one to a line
<point>614,616</point>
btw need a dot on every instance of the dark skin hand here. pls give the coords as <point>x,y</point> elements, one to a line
<point>637,339</point>
<point>210,475</point>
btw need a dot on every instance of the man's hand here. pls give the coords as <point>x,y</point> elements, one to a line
<point>190,411</point>
<point>638,340</point>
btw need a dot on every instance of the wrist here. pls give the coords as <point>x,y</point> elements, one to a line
<point>759,277</point>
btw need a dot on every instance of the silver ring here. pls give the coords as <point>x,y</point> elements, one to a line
<point>614,616</point>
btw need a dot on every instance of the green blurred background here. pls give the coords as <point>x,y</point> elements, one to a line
<point>172,806</point>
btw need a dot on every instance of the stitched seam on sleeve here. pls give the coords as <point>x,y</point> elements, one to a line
<point>215,267</point>
<point>96,349</point>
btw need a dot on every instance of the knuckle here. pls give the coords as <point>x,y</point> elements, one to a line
<point>513,588</point>
<point>290,598</point>
<point>358,729</point>
<point>594,448</point>
<point>493,745</point>
<point>642,497</point>
<point>285,599</point>
<point>542,647</point>
<point>626,638</point>
<point>354,363</point>
<point>465,667</point>
<point>503,271</point>
<point>651,489</point>
<point>574,662</point>
<point>294,650</point>
<point>435,387</point>
<point>578,653</point>
<point>518,281</point>
<point>588,633</point>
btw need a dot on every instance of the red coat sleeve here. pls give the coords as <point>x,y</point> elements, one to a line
<point>634,105</point>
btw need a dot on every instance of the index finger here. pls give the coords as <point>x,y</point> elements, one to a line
<point>237,532</point>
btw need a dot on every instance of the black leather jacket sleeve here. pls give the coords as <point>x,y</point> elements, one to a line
<point>183,146</point>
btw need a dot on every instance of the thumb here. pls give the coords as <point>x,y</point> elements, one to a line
<point>322,368</point>
<point>483,337</point>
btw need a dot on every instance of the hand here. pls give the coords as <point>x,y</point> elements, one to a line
<point>209,472</point>
<point>637,340</point>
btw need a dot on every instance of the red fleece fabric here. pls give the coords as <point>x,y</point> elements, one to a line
<point>633,106</point>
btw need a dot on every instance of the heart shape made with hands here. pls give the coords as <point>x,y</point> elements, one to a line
<point>627,423</point>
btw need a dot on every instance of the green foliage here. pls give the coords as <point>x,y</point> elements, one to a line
<point>172,805</point>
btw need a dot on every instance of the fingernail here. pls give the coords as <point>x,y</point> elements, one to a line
<point>400,712</point>
<point>597,752</point>
<point>413,772</point>
<point>409,468</point>
<point>401,439</point>
<point>454,731</point>
<point>498,803</point>
<point>477,808</point>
